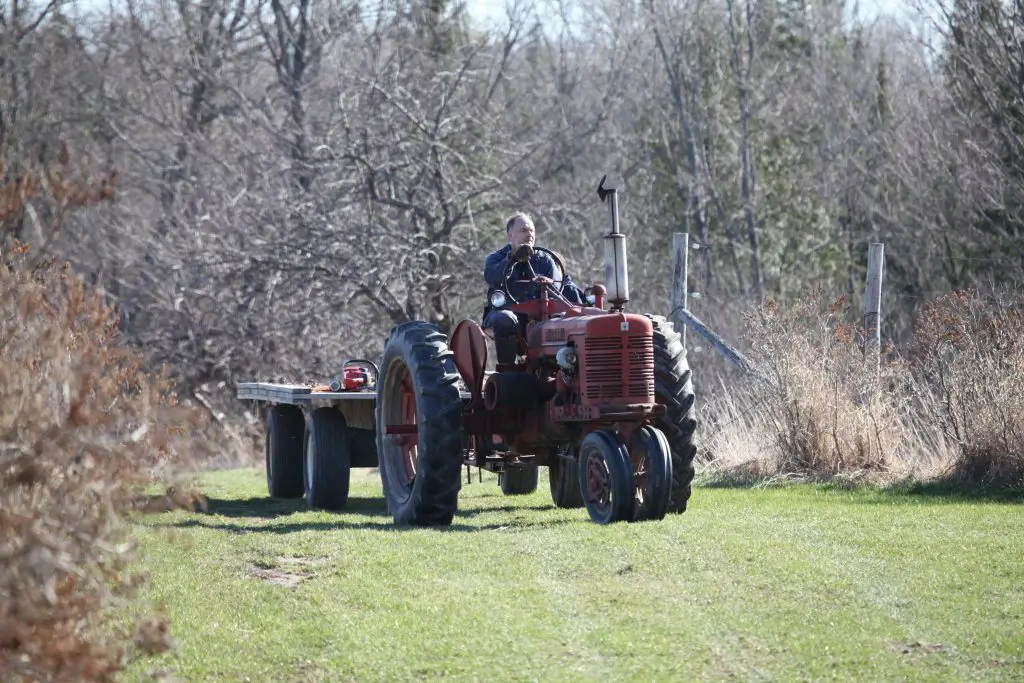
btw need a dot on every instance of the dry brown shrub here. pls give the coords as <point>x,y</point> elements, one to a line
<point>969,363</point>
<point>822,410</point>
<point>62,185</point>
<point>82,432</point>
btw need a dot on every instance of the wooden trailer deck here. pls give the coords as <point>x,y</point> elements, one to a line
<point>303,394</point>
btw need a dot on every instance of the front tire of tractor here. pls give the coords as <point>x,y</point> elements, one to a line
<point>327,460</point>
<point>519,481</point>
<point>673,387</point>
<point>652,457</point>
<point>606,477</point>
<point>283,432</point>
<point>418,386</point>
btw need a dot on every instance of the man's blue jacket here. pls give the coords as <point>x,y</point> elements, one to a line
<point>543,264</point>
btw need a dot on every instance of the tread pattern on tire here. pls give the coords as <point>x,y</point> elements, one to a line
<point>673,386</point>
<point>332,468</point>
<point>433,499</point>
<point>283,432</point>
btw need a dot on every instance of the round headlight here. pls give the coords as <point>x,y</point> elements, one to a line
<point>498,299</point>
<point>591,299</point>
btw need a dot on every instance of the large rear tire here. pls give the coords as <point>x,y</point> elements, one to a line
<point>673,387</point>
<point>327,460</point>
<point>283,432</point>
<point>418,385</point>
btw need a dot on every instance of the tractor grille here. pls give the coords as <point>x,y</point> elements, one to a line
<point>619,368</point>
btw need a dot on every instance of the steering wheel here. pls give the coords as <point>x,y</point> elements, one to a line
<point>558,275</point>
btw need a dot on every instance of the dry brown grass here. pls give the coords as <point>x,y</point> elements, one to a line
<point>950,409</point>
<point>818,414</point>
<point>969,363</point>
<point>82,432</point>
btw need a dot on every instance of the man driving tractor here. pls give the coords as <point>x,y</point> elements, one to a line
<point>519,251</point>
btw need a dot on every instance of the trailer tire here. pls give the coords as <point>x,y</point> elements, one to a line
<point>421,486</point>
<point>327,464</point>
<point>673,387</point>
<point>283,430</point>
<point>519,481</point>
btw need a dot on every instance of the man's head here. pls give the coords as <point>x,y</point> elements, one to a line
<point>520,230</point>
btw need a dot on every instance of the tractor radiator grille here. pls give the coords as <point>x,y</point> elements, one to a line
<point>619,368</point>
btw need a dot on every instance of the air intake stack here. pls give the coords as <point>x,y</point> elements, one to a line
<point>616,272</point>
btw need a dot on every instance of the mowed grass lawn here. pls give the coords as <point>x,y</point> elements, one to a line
<point>788,584</point>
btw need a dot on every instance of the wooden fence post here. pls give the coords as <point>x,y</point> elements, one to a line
<point>680,280</point>
<point>873,303</point>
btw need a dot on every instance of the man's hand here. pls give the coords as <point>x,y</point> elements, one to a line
<point>523,253</point>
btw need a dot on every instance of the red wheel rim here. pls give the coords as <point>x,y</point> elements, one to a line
<point>599,485</point>
<point>641,478</point>
<point>409,450</point>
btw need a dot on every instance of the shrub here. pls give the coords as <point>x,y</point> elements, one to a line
<point>821,408</point>
<point>82,432</point>
<point>969,362</point>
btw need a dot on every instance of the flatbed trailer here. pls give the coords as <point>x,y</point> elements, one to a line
<point>314,436</point>
<point>304,394</point>
<point>302,420</point>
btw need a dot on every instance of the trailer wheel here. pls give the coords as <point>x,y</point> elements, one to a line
<point>564,481</point>
<point>673,387</point>
<point>519,481</point>
<point>418,387</point>
<point>283,430</point>
<point>327,460</point>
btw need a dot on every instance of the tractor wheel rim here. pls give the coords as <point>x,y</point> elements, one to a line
<point>410,452</point>
<point>641,479</point>
<point>599,482</point>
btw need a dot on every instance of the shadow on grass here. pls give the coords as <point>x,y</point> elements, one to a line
<point>340,523</point>
<point>272,509</point>
<point>938,491</point>
<point>944,491</point>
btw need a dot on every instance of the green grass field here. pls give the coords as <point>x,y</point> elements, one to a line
<point>800,583</point>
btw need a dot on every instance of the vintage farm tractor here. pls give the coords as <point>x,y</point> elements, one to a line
<point>603,398</point>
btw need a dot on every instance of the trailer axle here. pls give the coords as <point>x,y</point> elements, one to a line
<point>402,429</point>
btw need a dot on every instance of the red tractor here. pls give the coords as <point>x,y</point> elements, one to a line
<point>603,398</point>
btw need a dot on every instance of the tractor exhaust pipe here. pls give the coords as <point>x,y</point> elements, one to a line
<point>616,272</point>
